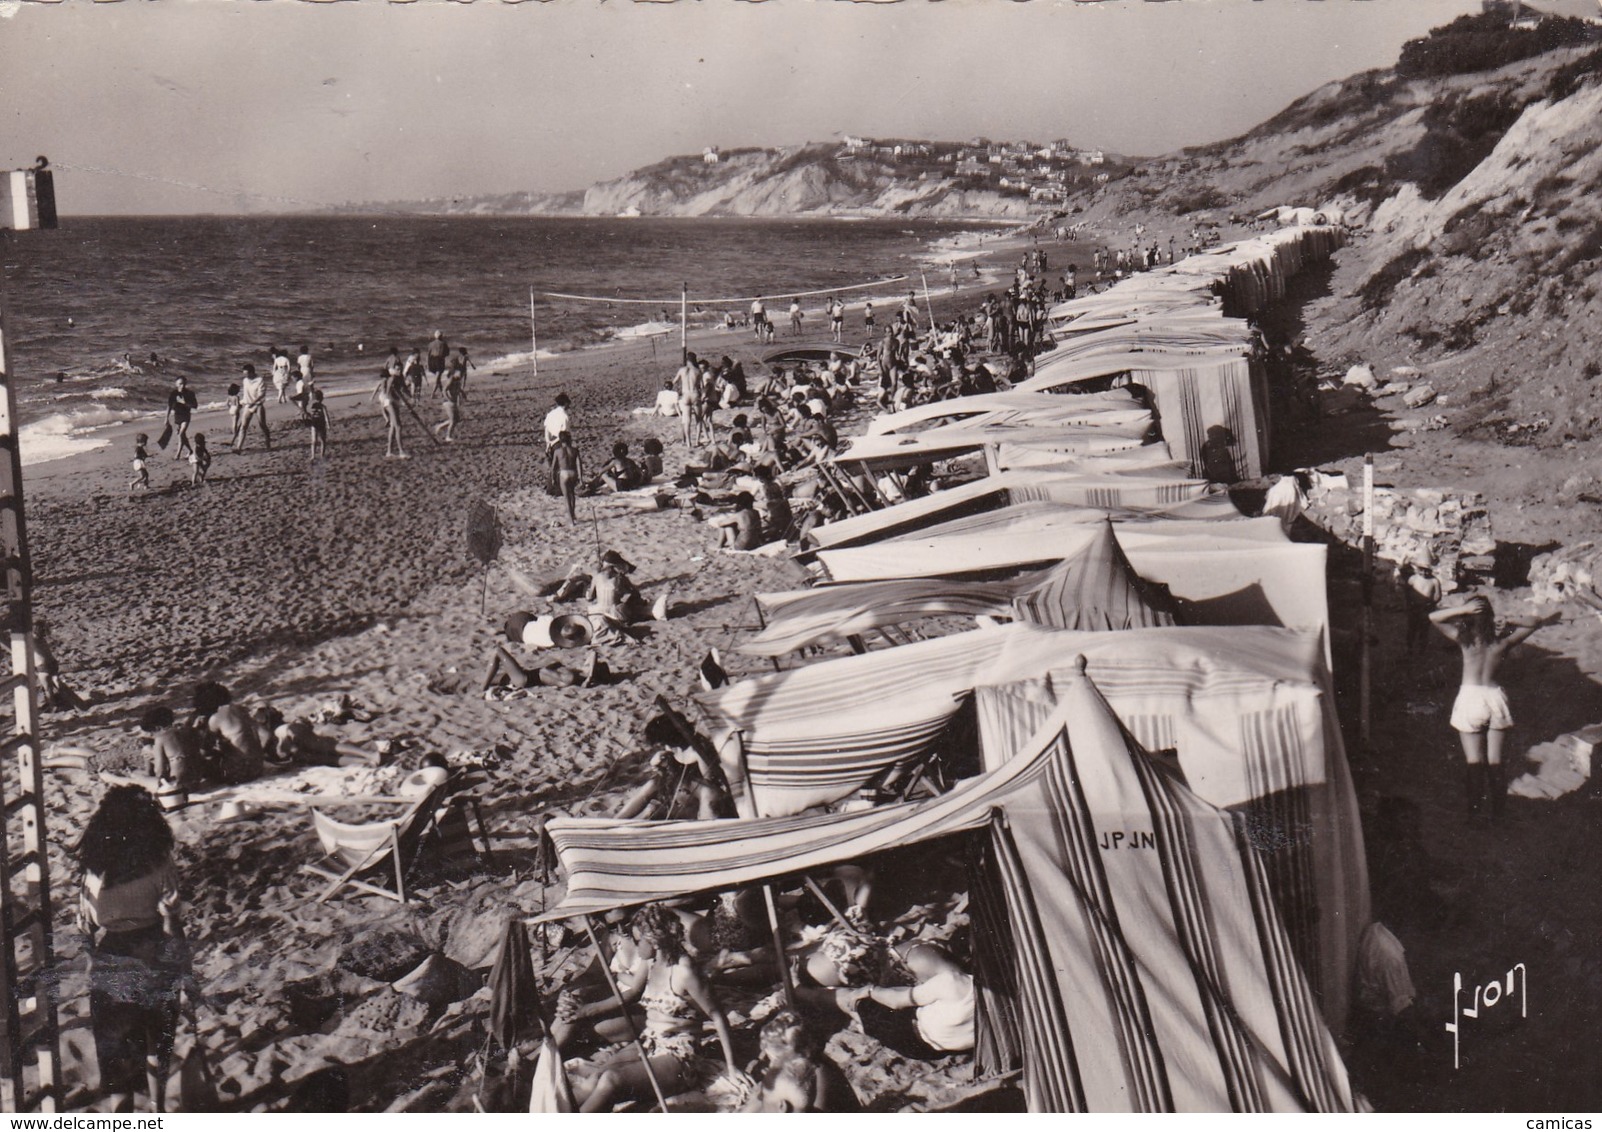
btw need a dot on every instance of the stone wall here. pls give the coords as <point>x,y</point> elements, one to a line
<point>1556,575</point>
<point>1449,530</point>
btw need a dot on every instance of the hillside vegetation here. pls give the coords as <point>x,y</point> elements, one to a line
<point>1473,170</point>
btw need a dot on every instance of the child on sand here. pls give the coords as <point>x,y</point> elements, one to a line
<point>174,750</point>
<point>454,393</point>
<point>1480,714</point>
<point>233,409</point>
<point>459,364</point>
<point>317,415</point>
<point>652,461</point>
<point>141,459</point>
<point>199,461</point>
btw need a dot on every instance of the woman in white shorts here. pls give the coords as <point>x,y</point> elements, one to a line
<point>1480,714</point>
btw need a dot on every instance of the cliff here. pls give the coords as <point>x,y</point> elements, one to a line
<point>1472,173</point>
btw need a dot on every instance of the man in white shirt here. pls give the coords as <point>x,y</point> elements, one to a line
<point>759,319</point>
<point>558,421</point>
<point>252,406</point>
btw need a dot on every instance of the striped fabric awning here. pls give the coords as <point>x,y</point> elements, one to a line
<point>859,715</point>
<point>1150,970</point>
<point>1093,590</point>
<point>1149,461</point>
<point>978,404</point>
<point>1029,538</point>
<point>897,450</point>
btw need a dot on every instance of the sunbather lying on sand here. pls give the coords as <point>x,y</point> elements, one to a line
<point>505,670</point>
<point>793,1075</point>
<point>297,741</point>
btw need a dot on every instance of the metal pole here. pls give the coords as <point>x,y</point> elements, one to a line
<point>533,336</point>
<point>1364,701</point>
<point>605,957</point>
<point>684,323</point>
<point>927,301</point>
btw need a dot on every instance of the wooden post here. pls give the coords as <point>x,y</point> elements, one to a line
<point>684,323</point>
<point>605,958</point>
<point>1366,673</point>
<point>29,1030</point>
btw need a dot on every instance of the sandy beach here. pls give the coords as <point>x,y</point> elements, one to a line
<point>296,584</point>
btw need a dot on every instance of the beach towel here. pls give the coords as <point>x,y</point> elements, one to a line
<point>165,438</point>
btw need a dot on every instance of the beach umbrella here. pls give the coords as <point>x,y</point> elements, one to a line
<point>483,541</point>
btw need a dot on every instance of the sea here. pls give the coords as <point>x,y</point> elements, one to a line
<point>104,312</point>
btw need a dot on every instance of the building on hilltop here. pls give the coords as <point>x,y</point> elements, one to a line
<point>710,155</point>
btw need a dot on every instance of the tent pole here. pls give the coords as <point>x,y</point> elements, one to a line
<point>684,323</point>
<point>763,622</point>
<point>778,946</point>
<point>839,917</point>
<point>602,954</point>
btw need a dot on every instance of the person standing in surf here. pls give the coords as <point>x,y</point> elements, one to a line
<point>280,360</point>
<point>390,392</point>
<point>252,407</point>
<point>454,393</point>
<point>181,404</point>
<point>438,351</point>
<point>412,372</point>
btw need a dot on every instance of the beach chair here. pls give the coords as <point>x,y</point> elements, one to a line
<point>386,848</point>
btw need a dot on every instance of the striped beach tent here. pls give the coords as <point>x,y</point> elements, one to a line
<point>1020,539</point>
<point>1095,589</point>
<point>1127,947</point>
<point>902,450</point>
<point>1092,408</point>
<point>1246,710</point>
<point>1149,461</point>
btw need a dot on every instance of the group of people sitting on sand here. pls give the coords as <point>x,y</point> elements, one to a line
<point>676,965</point>
<point>614,610</point>
<point>220,743</point>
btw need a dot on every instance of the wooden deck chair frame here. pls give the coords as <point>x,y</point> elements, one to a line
<point>397,840</point>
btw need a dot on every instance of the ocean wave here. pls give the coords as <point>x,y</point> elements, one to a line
<point>68,434</point>
<point>646,329</point>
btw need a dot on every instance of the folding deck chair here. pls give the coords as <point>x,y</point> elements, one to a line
<point>390,846</point>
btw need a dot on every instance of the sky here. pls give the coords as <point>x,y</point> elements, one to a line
<point>183,106</point>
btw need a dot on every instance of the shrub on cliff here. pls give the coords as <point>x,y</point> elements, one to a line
<point>1486,41</point>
